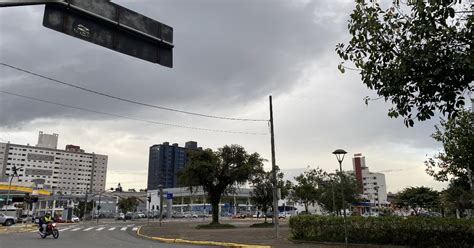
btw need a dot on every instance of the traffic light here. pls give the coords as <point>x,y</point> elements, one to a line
<point>27,198</point>
<point>148,198</point>
<point>99,207</point>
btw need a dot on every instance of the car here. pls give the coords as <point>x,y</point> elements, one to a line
<point>75,219</point>
<point>25,218</point>
<point>283,215</point>
<point>120,216</point>
<point>238,216</point>
<point>7,220</point>
<point>141,215</point>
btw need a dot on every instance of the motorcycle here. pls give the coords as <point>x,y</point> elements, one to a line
<point>50,230</point>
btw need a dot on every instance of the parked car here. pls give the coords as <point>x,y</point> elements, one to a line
<point>120,216</point>
<point>238,216</point>
<point>7,220</point>
<point>141,215</point>
<point>75,219</point>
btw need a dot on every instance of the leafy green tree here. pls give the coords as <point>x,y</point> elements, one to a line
<point>307,189</point>
<point>330,197</point>
<point>128,204</point>
<point>457,158</point>
<point>262,192</point>
<point>81,209</point>
<point>457,197</point>
<point>420,61</point>
<point>418,197</point>
<point>220,172</point>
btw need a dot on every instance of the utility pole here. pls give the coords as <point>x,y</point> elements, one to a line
<point>161,202</point>
<point>274,173</point>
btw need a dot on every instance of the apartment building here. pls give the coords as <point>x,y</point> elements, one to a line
<point>372,184</point>
<point>71,171</point>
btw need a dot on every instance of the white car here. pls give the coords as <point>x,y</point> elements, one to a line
<point>75,219</point>
<point>7,220</point>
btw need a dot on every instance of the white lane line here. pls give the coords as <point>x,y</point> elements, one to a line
<point>87,229</point>
<point>75,229</point>
<point>112,228</point>
<point>135,228</point>
<point>130,225</point>
<point>100,229</point>
<point>65,229</point>
<point>123,228</point>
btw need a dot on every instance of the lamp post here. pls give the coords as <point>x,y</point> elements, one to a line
<point>332,176</point>
<point>15,174</point>
<point>340,157</point>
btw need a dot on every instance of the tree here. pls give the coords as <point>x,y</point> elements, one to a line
<point>308,188</point>
<point>128,204</point>
<point>417,198</point>
<point>330,197</point>
<point>81,209</point>
<point>220,172</point>
<point>457,197</point>
<point>457,157</point>
<point>262,192</point>
<point>421,61</point>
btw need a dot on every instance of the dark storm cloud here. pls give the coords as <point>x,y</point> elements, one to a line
<point>227,53</point>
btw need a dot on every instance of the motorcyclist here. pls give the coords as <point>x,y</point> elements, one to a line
<point>44,221</point>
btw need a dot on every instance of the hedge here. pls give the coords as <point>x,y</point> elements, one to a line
<point>412,231</point>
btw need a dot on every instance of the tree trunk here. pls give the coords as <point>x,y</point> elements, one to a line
<point>215,209</point>
<point>306,208</point>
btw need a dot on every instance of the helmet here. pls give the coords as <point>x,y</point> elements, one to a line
<point>48,213</point>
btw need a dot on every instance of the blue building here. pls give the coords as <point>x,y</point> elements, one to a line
<point>165,162</point>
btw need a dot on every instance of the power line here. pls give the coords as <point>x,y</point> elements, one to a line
<point>127,100</point>
<point>131,118</point>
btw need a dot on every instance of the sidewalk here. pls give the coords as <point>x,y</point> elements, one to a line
<point>243,234</point>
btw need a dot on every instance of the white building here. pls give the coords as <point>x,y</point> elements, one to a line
<point>70,171</point>
<point>373,184</point>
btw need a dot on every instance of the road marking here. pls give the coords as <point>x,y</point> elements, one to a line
<point>65,229</point>
<point>135,228</point>
<point>100,229</point>
<point>130,225</point>
<point>112,228</point>
<point>123,228</point>
<point>87,229</point>
<point>75,229</point>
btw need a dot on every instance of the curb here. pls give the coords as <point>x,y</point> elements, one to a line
<point>196,242</point>
<point>18,230</point>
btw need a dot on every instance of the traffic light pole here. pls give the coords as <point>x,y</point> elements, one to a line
<point>9,187</point>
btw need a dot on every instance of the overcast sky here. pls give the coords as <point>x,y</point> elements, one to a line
<point>229,56</point>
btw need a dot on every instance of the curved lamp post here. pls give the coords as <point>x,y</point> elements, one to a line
<point>340,157</point>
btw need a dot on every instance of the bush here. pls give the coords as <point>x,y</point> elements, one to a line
<point>413,231</point>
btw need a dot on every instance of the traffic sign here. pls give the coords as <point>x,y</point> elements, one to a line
<point>169,196</point>
<point>112,26</point>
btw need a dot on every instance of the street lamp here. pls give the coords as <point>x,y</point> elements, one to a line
<point>15,174</point>
<point>340,157</point>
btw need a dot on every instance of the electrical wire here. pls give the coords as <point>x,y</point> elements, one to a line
<point>128,100</point>
<point>131,118</point>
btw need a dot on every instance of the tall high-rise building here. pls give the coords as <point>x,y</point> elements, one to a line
<point>71,171</point>
<point>372,184</point>
<point>165,162</point>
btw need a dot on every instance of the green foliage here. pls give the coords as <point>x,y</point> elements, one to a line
<point>413,232</point>
<point>457,137</point>
<point>421,60</point>
<point>262,193</point>
<point>220,172</point>
<point>262,225</point>
<point>332,187</point>
<point>457,197</point>
<point>307,188</point>
<point>81,209</point>
<point>128,204</point>
<point>418,197</point>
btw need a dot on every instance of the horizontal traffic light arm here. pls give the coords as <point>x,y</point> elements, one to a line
<point>64,3</point>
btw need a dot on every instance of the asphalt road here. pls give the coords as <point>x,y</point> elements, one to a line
<point>111,235</point>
